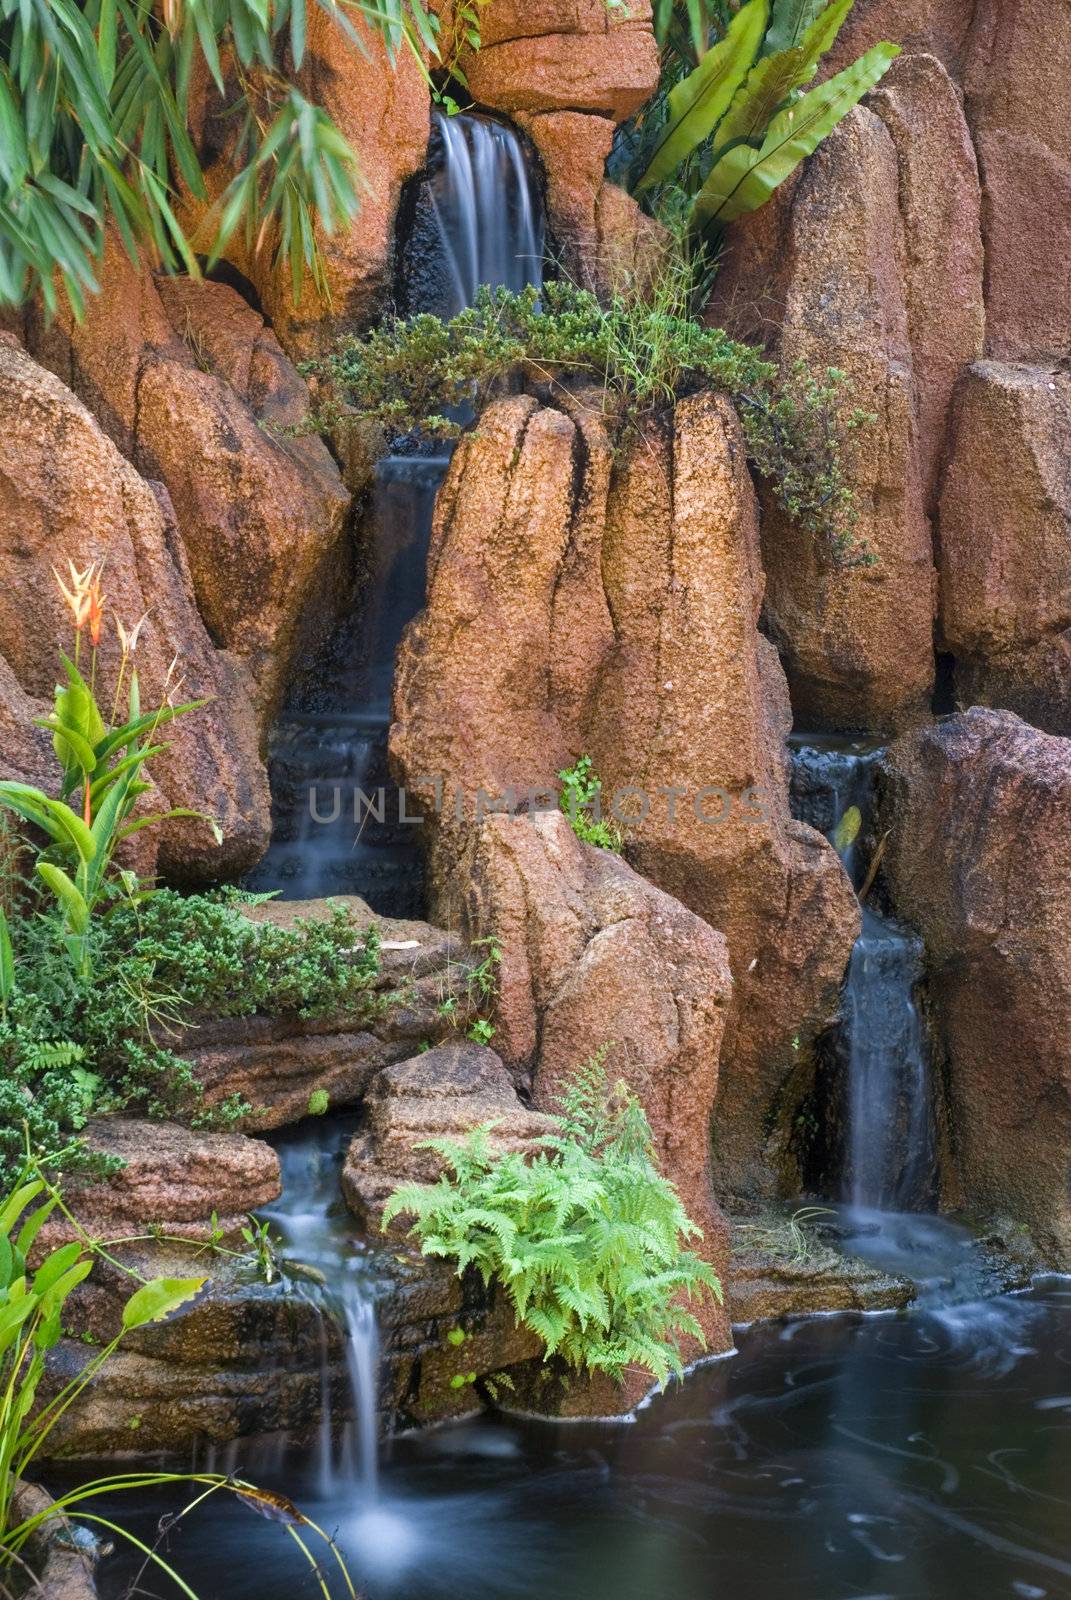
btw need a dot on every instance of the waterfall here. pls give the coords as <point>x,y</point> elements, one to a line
<point>339,826</point>
<point>889,1149</point>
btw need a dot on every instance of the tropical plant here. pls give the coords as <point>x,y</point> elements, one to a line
<point>640,352</point>
<point>73,1045</point>
<point>95,100</point>
<point>32,1304</point>
<point>585,1235</point>
<point>718,140</point>
<point>581,800</point>
<point>100,761</point>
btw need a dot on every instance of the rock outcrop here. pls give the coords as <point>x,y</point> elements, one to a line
<point>442,1093</point>
<point>977,861</point>
<point>195,391</point>
<point>1006,541</point>
<point>586,602</point>
<point>66,491</point>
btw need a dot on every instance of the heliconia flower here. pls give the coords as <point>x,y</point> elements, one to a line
<point>78,597</point>
<point>96,607</point>
<point>128,642</point>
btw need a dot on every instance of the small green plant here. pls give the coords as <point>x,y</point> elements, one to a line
<point>481,1031</point>
<point>642,353</point>
<point>717,140</point>
<point>581,800</point>
<point>101,762</point>
<point>73,1045</point>
<point>585,1235</point>
<point>260,1246</point>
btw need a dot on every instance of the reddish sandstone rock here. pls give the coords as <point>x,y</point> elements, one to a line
<point>1016,77</point>
<point>940,204</point>
<point>65,492</point>
<point>1006,541</point>
<point>857,644</point>
<point>576,55</point>
<point>933,27</point>
<point>193,388</point>
<point>594,956</point>
<point>980,808</point>
<point>582,601</point>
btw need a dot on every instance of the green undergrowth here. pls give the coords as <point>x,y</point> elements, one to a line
<point>72,1046</point>
<point>642,353</point>
<point>585,1235</point>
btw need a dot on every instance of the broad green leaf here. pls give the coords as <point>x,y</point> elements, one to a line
<point>71,899</point>
<point>157,1299</point>
<point>697,104</point>
<point>32,1227</point>
<point>16,1204</point>
<point>789,21</point>
<point>57,819</point>
<point>847,829</point>
<point>773,78</point>
<point>7,960</point>
<point>54,1266</point>
<point>745,178</point>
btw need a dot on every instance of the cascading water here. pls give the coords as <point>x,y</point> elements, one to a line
<point>339,826</point>
<point>888,1159</point>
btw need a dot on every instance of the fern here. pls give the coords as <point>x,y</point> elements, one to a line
<point>585,1236</point>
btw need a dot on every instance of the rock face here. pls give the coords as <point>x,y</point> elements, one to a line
<point>66,491</point>
<point>442,1093</point>
<point>857,644</point>
<point>973,109</point>
<point>584,602</point>
<point>980,808</point>
<point>1006,541</point>
<point>194,388</point>
<point>769,1277</point>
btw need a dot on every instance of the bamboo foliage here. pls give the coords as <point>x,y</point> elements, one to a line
<point>94,127</point>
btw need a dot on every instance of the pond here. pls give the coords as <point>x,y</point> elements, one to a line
<point>890,1457</point>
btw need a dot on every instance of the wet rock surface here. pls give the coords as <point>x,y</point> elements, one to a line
<point>979,808</point>
<point>776,1271</point>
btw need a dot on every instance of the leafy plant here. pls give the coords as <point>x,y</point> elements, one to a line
<point>642,353</point>
<point>95,99</point>
<point>31,1311</point>
<point>585,1235</point>
<point>72,1045</point>
<point>581,800</point>
<point>718,139</point>
<point>103,764</point>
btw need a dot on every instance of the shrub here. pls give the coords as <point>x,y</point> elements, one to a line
<point>72,1046</point>
<point>641,353</point>
<point>585,1235</point>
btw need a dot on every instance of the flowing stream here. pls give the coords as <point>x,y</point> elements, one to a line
<point>339,824</point>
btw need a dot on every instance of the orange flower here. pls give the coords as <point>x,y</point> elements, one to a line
<point>96,607</point>
<point>79,596</point>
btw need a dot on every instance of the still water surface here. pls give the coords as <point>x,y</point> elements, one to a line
<point>918,1456</point>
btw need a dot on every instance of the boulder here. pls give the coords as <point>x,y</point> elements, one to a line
<point>577,55</point>
<point>594,957</point>
<point>979,807</point>
<point>772,1275</point>
<point>856,643</point>
<point>195,390</point>
<point>940,203</point>
<point>442,1093</point>
<point>1016,76</point>
<point>1006,541</point>
<point>66,491</point>
<point>276,1063</point>
<point>587,599</point>
<point>173,1179</point>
